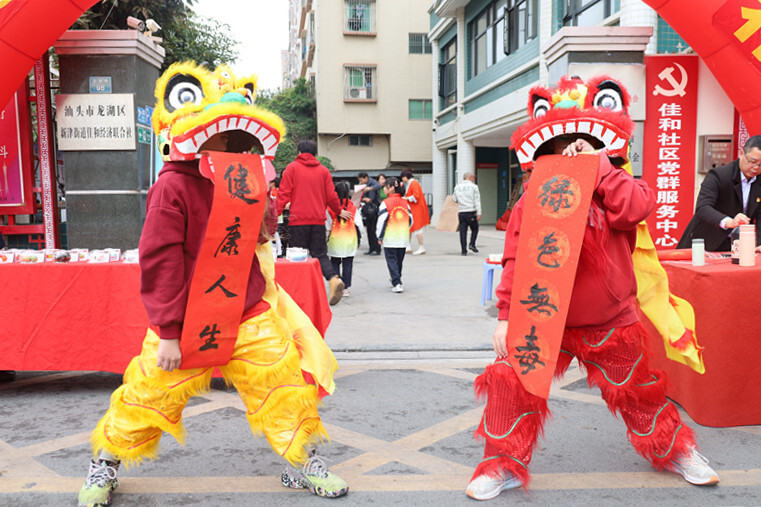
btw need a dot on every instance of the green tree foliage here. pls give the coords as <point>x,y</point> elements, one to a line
<point>201,41</point>
<point>297,107</point>
<point>185,35</point>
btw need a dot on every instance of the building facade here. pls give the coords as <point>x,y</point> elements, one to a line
<point>488,54</point>
<point>371,65</point>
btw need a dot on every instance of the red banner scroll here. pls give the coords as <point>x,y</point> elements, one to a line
<point>15,157</point>
<point>218,289</point>
<point>668,151</point>
<point>554,217</point>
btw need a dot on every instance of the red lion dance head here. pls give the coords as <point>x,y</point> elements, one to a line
<point>596,110</point>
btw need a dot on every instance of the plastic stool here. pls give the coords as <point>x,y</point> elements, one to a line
<point>488,281</point>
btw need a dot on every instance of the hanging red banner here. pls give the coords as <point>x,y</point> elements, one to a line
<point>218,289</point>
<point>668,152</point>
<point>555,214</point>
<point>15,157</point>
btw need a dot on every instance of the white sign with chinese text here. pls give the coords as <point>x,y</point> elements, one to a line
<point>88,122</point>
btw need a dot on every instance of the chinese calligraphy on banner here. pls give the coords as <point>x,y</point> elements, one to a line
<point>88,122</point>
<point>555,214</point>
<point>669,143</point>
<point>11,182</point>
<point>218,289</point>
<point>15,157</point>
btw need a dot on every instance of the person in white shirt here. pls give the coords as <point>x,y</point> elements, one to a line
<point>468,200</point>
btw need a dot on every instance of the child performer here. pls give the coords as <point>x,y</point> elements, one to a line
<point>344,236</point>
<point>602,329</point>
<point>393,230</point>
<point>279,371</point>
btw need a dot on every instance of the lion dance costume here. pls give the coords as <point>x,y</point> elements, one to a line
<point>602,329</point>
<point>274,356</point>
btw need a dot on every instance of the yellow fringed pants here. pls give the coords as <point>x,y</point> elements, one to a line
<point>264,369</point>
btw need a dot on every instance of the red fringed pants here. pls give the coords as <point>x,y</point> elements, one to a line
<point>616,361</point>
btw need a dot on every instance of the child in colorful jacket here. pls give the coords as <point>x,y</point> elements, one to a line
<point>393,230</point>
<point>345,235</point>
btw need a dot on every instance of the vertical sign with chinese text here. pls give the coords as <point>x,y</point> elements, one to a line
<point>556,207</point>
<point>220,278</point>
<point>669,143</point>
<point>15,157</point>
<point>11,163</point>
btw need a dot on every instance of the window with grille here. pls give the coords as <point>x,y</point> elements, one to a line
<point>360,140</point>
<point>522,24</point>
<point>360,16</point>
<point>586,12</point>
<point>419,44</point>
<point>359,83</point>
<point>448,74</point>
<point>421,109</point>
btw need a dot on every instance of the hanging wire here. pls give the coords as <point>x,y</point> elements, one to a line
<point>109,13</point>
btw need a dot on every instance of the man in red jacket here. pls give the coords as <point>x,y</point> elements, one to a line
<point>308,187</point>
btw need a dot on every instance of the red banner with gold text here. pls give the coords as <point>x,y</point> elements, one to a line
<point>668,152</point>
<point>218,289</point>
<point>554,218</point>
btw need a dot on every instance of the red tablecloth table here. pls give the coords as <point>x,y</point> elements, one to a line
<point>88,316</point>
<point>728,326</point>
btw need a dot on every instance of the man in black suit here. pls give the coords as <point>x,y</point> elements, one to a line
<point>729,196</point>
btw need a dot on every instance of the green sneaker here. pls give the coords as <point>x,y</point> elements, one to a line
<point>101,481</point>
<point>316,476</point>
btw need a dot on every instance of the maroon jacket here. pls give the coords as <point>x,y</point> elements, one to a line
<point>605,287</point>
<point>309,187</point>
<point>178,210</point>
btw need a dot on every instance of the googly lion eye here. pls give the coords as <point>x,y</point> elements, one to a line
<point>541,107</point>
<point>225,74</point>
<point>609,96</point>
<point>182,90</point>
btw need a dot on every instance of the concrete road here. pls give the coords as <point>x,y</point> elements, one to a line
<point>401,420</point>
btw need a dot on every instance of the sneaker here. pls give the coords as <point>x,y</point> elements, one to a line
<point>291,479</point>
<point>347,293</point>
<point>419,251</point>
<point>409,249</point>
<point>315,476</point>
<point>473,248</point>
<point>486,487</point>
<point>101,481</point>
<point>336,290</point>
<point>398,288</point>
<point>694,468</point>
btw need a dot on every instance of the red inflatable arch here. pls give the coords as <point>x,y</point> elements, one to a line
<point>727,36</point>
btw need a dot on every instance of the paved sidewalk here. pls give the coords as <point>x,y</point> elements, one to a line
<point>440,309</point>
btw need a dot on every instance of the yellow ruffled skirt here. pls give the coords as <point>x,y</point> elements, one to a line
<point>265,369</point>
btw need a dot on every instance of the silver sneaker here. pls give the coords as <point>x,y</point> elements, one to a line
<point>694,468</point>
<point>398,288</point>
<point>486,487</point>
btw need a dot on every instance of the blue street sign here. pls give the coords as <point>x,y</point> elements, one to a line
<point>100,84</point>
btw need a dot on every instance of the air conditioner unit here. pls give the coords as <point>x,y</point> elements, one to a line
<point>357,93</point>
